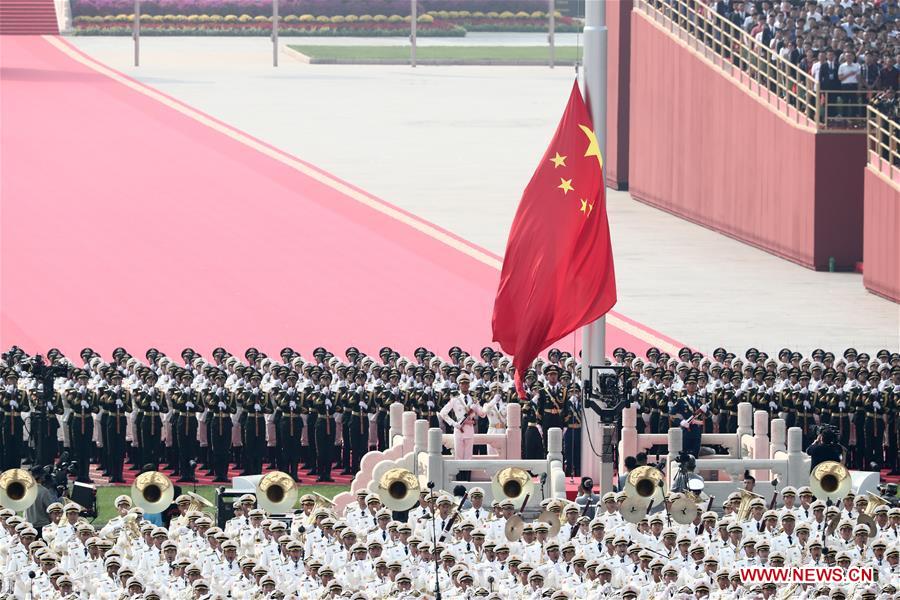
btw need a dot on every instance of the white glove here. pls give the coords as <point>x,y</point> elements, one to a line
<point>327,403</point>
<point>317,388</point>
<point>118,403</point>
<point>352,387</point>
<point>292,405</point>
<point>670,404</point>
<point>153,405</point>
<point>806,404</point>
<point>727,386</point>
<point>684,423</point>
<point>705,408</point>
<point>427,389</point>
<point>189,405</point>
<point>738,393</point>
<point>429,404</point>
<point>257,407</point>
<point>634,392</point>
<point>14,404</point>
<point>85,404</point>
<point>876,405</point>
<point>773,406</point>
<point>841,405</point>
<point>363,406</point>
<point>49,406</point>
<point>222,406</point>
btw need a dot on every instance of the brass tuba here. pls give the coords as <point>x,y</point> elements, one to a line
<point>873,503</point>
<point>276,492</point>
<point>398,489</point>
<point>152,491</point>
<point>511,483</point>
<point>830,480</point>
<point>743,510</point>
<point>646,483</point>
<point>18,489</point>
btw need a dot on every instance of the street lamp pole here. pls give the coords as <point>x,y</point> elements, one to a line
<point>413,9</point>
<point>136,32</point>
<point>274,33</point>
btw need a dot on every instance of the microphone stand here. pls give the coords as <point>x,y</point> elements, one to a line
<point>437,572</point>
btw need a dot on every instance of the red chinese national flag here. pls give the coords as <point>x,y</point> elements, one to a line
<point>558,269</point>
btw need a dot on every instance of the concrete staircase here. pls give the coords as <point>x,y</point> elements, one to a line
<point>28,17</point>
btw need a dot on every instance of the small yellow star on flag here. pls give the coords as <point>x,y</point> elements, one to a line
<point>565,185</point>
<point>558,160</point>
<point>585,207</point>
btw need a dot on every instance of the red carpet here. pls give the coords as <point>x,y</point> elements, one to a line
<point>203,479</point>
<point>128,222</point>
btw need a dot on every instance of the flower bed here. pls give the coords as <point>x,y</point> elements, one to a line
<point>245,25</point>
<point>240,17</point>
<point>328,8</point>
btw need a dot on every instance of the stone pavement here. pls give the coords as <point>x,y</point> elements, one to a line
<point>456,145</point>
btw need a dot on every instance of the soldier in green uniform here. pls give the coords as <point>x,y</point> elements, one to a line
<point>45,425</point>
<point>116,402</point>
<point>874,424</point>
<point>552,401</point>
<point>221,406</point>
<point>152,405</point>
<point>532,440</point>
<point>893,415</point>
<point>256,405</point>
<point>289,424</point>
<point>322,403</point>
<point>186,403</point>
<point>13,403</point>
<point>84,405</point>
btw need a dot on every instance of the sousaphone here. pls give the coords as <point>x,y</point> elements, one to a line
<point>511,483</point>
<point>276,492</point>
<point>153,492</point>
<point>646,483</point>
<point>398,489</point>
<point>830,480</point>
<point>18,489</point>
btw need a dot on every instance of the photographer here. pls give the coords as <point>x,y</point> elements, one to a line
<point>36,514</point>
<point>825,448</point>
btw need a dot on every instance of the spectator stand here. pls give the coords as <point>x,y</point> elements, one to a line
<point>883,133</point>
<point>787,87</point>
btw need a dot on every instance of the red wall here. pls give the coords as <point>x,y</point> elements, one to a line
<point>618,20</point>
<point>881,274</point>
<point>704,148</point>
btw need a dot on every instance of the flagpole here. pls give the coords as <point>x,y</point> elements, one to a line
<point>593,335</point>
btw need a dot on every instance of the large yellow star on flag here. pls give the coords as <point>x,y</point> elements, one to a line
<point>565,185</point>
<point>593,147</point>
<point>558,160</point>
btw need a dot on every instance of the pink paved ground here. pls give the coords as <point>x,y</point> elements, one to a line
<point>125,222</point>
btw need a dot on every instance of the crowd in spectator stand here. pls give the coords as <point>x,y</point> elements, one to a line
<point>849,48</point>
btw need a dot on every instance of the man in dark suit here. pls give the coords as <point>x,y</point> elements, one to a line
<point>829,83</point>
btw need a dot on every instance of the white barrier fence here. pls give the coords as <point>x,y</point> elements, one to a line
<point>416,446</point>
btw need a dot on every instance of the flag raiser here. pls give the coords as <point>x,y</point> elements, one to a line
<point>558,270</point>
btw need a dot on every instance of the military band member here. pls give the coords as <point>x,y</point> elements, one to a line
<point>220,404</point>
<point>84,405</point>
<point>257,405</point>
<point>116,402</point>
<point>13,402</point>
<point>288,401</point>
<point>152,405</point>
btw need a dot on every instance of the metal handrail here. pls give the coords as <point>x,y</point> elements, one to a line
<point>789,89</point>
<point>883,143</point>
